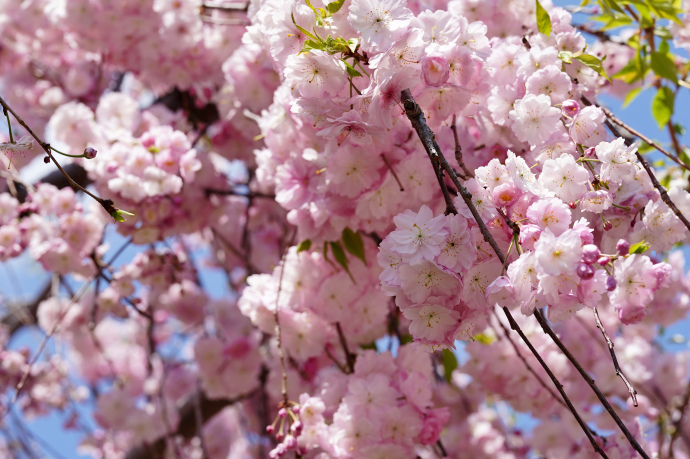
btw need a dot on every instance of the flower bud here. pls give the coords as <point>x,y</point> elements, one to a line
<point>585,271</point>
<point>608,225</point>
<point>435,69</point>
<point>570,108</point>
<point>603,261</point>
<point>90,153</point>
<point>610,283</point>
<point>590,253</point>
<point>46,159</point>
<point>622,247</point>
<point>590,152</point>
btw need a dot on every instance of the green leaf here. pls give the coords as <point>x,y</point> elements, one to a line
<point>663,66</point>
<point>371,346</point>
<point>302,29</point>
<point>640,247</point>
<point>631,95</point>
<point>353,72</point>
<point>566,56</point>
<point>311,44</point>
<point>611,6</point>
<point>353,243</point>
<point>483,338</point>
<point>118,214</point>
<point>662,106</point>
<point>593,63</point>
<point>405,339</point>
<point>634,70</point>
<point>334,7</point>
<point>543,20</point>
<point>304,245</point>
<point>450,363</point>
<point>341,258</point>
<point>352,44</point>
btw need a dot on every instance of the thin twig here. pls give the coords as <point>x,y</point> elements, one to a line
<point>615,120</point>
<point>678,424</point>
<point>390,168</point>
<point>349,357</point>
<point>416,117</point>
<point>526,364</point>
<point>107,204</point>
<point>588,379</point>
<point>619,372</point>
<point>650,172</point>
<point>279,341</point>
<point>199,421</point>
<point>458,150</point>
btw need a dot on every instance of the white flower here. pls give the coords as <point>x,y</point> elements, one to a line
<point>564,177</point>
<point>381,22</point>
<point>23,144</point>
<point>557,255</point>
<point>534,119</point>
<point>618,162</point>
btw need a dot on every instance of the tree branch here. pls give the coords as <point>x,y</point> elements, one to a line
<point>619,372</point>
<point>416,116</point>
<point>588,379</point>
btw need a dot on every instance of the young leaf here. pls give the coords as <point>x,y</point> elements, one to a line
<point>353,244</point>
<point>450,363</point>
<point>302,29</point>
<point>118,214</point>
<point>304,245</point>
<point>543,20</point>
<point>593,63</point>
<point>341,258</point>
<point>640,247</point>
<point>566,56</point>
<point>632,94</point>
<point>663,66</point>
<point>662,106</point>
<point>334,7</point>
<point>309,45</point>
<point>353,72</point>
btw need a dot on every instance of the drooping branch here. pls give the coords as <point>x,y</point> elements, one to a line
<point>107,204</point>
<point>416,116</point>
<point>619,372</point>
<point>549,331</point>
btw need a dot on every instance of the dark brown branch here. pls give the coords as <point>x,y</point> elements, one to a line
<point>107,204</point>
<point>187,427</point>
<point>416,116</point>
<point>349,357</point>
<point>529,368</point>
<point>650,172</point>
<point>619,372</point>
<point>588,379</point>
<point>615,120</point>
<point>21,315</point>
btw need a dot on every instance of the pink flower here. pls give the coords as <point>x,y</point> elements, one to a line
<point>588,127</point>
<point>534,119</point>
<point>435,69</point>
<point>418,235</point>
<point>558,254</point>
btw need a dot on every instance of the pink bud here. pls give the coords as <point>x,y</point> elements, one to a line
<point>90,153</point>
<point>570,107</point>
<point>435,69</point>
